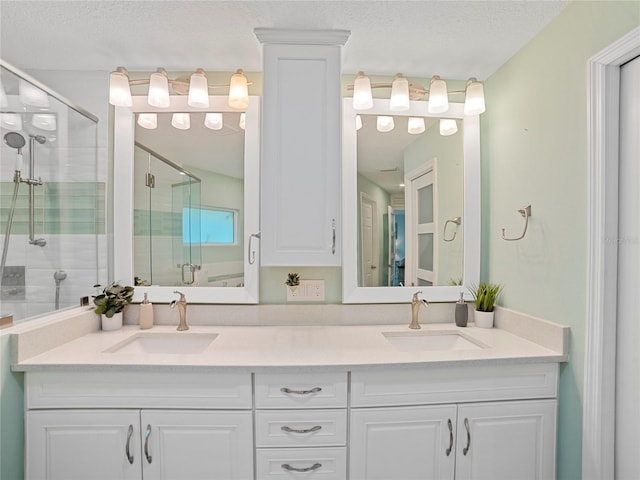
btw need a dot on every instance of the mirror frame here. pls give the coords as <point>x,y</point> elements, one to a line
<point>123,154</point>
<point>351,292</point>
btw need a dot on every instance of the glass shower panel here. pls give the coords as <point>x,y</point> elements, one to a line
<point>52,206</point>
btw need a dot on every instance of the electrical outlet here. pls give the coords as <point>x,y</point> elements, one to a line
<point>307,291</point>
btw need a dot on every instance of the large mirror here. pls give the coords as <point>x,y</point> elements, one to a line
<point>411,204</point>
<point>194,194</point>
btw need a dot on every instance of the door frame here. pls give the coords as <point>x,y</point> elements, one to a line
<point>598,424</point>
<point>375,240</point>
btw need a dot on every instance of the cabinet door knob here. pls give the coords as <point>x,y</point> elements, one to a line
<point>127,447</point>
<point>465,450</point>
<point>147,434</point>
<point>308,430</point>
<point>313,467</point>
<point>450,425</point>
<point>301,392</point>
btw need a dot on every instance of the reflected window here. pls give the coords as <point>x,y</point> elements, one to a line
<point>209,226</point>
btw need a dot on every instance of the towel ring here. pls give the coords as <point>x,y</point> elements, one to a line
<point>526,213</point>
<point>457,221</point>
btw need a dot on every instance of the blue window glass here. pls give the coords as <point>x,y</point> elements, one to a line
<point>209,226</point>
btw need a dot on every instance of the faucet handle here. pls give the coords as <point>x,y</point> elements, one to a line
<point>415,296</point>
<point>182,297</point>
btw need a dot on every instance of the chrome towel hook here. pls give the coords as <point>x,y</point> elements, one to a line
<point>526,213</point>
<point>457,221</point>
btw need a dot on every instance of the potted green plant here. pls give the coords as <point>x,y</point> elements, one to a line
<point>110,304</point>
<point>484,296</point>
<point>293,280</point>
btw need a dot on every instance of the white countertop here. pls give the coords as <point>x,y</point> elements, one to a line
<point>254,348</point>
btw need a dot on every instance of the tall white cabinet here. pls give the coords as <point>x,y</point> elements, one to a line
<point>300,218</point>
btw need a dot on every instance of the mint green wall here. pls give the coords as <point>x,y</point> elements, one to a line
<point>11,416</point>
<point>534,150</point>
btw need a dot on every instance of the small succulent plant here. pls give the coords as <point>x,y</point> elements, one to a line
<point>293,279</point>
<point>485,295</point>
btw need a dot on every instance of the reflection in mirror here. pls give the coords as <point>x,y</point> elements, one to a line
<point>188,203</point>
<point>424,235</point>
<point>409,186</point>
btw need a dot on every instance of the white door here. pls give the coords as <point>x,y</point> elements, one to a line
<point>628,308</point>
<point>370,243</point>
<point>196,445</point>
<point>408,443</point>
<point>420,224</point>
<point>83,445</point>
<point>506,441</point>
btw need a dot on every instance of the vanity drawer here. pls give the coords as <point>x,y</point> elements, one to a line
<point>317,390</point>
<point>316,463</point>
<point>301,428</point>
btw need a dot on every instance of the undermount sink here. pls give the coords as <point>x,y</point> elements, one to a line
<point>164,343</point>
<point>428,341</point>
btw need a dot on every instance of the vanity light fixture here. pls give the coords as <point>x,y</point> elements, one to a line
<point>31,95</point>
<point>195,86</point>
<point>358,122</point>
<point>44,121</point>
<point>148,120</point>
<point>181,121</point>
<point>415,125</point>
<point>448,126</point>
<point>384,123</point>
<point>437,93</point>
<point>213,121</point>
<point>243,121</point>
<point>11,121</point>
<point>4,100</point>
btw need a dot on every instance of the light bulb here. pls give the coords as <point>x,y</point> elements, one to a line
<point>358,122</point>
<point>385,124</point>
<point>11,121</point>
<point>415,125</point>
<point>448,126</point>
<point>474,98</point>
<point>148,120</point>
<point>362,97</point>
<point>32,95</point>
<point>198,90</point>
<point>119,90</point>
<point>438,96</point>
<point>213,121</point>
<point>181,121</point>
<point>399,100</point>
<point>44,121</point>
<point>238,90</point>
<point>243,121</point>
<point>158,95</point>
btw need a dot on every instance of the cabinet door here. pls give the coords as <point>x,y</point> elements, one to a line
<point>83,445</point>
<point>506,440</point>
<point>196,445</point>
<point>403,443</point>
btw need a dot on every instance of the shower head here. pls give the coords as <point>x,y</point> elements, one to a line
<point>14,140</point>
<point>38,138</point>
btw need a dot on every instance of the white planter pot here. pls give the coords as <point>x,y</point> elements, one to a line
<point>113,323</point>
<point>483,319</point>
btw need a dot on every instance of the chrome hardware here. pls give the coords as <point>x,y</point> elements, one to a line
<point>313,467</point>
<point>308,430</point>
<point>147,434</point>
<point>301,392</point>
<point>333,244</point>
<point>450,425</point>
<point>150,180</point>
<point>251,254</point>
<point>526,213</point>
<point>415,309</point>
<point>182,310</point>
<point>456,221</point>
<point>190,268</point>
<point>126,448</point>
<point>465,450</point>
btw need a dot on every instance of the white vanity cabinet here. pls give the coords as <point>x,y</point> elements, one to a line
<point>495,422</point>
<point>86,426</point>
<point>300,204</point>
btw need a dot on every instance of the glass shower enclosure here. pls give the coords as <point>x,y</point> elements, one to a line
<point>52,206</point>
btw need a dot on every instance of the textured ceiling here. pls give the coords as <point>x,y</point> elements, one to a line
<point>455,39</point>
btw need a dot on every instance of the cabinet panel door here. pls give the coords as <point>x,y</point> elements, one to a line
<point>408,443</point>
<point>506,441</point>
<point>83,445</point>
<point>196,445</point>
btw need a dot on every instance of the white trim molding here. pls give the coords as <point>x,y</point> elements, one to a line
<point>598,425</point>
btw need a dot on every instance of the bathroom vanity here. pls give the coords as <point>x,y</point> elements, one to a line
<point>328,402</point>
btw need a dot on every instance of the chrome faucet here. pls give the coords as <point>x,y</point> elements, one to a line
<point>182,310</point>
<point>415,309</point>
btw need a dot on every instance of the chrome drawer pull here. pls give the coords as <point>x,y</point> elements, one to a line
<point>308,430</point>
<point>146,444</point>
<point>127,451</point>
<point>465,450</point>
<point>313,467</point>
<point>450,425</point>
<point>301,392</point>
